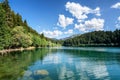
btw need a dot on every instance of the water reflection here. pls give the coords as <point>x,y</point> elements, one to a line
<point>52,59</point>
<point>14,65</point>
<point>65,73</point>
<point>94,65</point>
<point>61,64</point>
<point>92,70</point>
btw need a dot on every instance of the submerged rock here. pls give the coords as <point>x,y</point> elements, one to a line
<point>27,73</point>
<point>42,72</point>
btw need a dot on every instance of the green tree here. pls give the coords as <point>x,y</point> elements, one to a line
<point>4,30</point>
<point>117,37</point>
<point>36,41</point>
<point>20,39</point>
<point>19,20</point>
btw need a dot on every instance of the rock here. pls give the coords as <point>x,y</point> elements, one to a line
<point>27,73</point>
<point>42,72</point>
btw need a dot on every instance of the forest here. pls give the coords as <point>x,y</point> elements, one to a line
<point>96,38</point>
<point>16,33</point>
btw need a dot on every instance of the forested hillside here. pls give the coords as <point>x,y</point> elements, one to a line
<point>15,32</point>
<point>96,38</point>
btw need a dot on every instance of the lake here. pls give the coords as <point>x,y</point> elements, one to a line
<point>65,63</point>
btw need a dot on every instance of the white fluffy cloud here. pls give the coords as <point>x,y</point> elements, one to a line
<point>117,5</point>
<point>80,27</point>
<point>64,21</point>
<point>80,12</point>
<point>56,33</point>
<point>52,34</point>
<point>70,31</point>
<point>93,24</point>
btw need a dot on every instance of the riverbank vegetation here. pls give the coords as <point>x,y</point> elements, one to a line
<point>16,33</point>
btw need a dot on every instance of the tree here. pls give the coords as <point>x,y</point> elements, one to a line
<point>5,5</point>
<point>5,35</point>
<point>36,41</point>
<point>117,37</point>
<point>25,23</point>
<point>19,20</point>
<point>9,17</point>
<point>20,39</point>
<point>42,35</point>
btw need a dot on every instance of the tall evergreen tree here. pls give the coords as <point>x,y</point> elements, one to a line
<point>25,23</point>
<point>4,30</point>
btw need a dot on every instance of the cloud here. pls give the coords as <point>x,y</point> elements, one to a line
<point>80,16</point>
<point>118,23</point>
<point>96,11</point>
<point>80,12</point>
<point>119,18</point>
<point>93,24</point>
<point>64,21</point>
<point>70,31</point>
<point>56,33</point>
<point>116,6</point>
<point>52,34</point>
<point>80,27</point>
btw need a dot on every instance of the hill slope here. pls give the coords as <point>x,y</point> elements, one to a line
<point>96,38</point>
<point>15,33</point>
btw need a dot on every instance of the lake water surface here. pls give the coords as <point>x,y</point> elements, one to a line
<point>83,63</point>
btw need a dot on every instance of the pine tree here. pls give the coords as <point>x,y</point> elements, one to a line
<point>4,30</point>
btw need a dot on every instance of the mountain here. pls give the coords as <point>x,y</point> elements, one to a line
<point>75,35</point>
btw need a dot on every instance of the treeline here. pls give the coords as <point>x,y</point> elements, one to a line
<point>15,32</point>
<point>96,38</point>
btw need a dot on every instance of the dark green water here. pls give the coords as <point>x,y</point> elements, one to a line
<point>85,63</point>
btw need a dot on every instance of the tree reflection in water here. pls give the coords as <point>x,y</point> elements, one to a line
<point>61,64</point>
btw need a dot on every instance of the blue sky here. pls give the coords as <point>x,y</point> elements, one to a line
<point>62,18</point>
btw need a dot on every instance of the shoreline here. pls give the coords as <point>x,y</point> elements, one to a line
<point>94,45</point>
<point>5,51</point>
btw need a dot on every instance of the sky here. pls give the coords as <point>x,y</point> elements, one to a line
<point>63,18</point>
